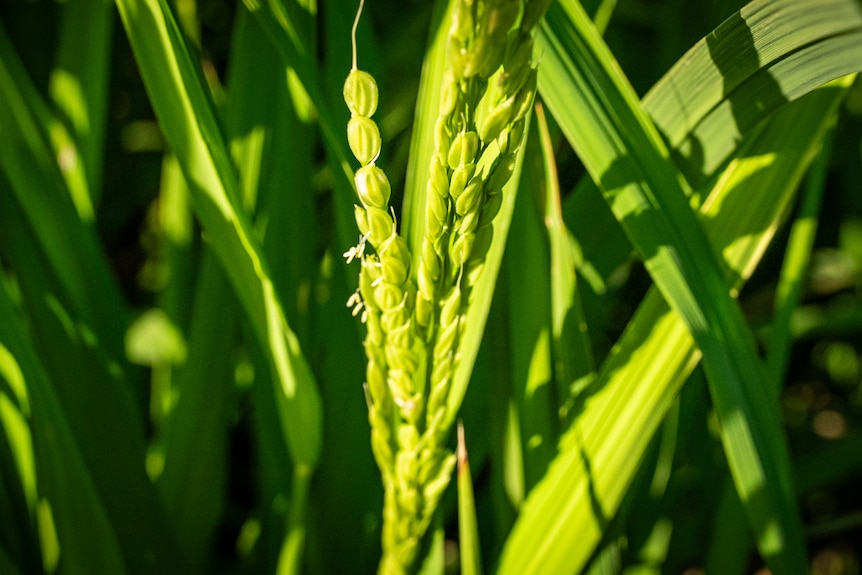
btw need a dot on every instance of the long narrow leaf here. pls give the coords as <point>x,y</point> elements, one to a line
<point>186,117</point>
<point>77,329</point>
<point>18,492</point>
<point>793,272</point>
<point>483,291</point>
<point>88,540</point>
<point>528,280</point>
<point>574,366</point>
<point>468,530</point>
<point>270,146</point>
<point>424,118</point>
<point>84,379</point>
<point>565,515</point>
<point>768,53</point>
<point>62,227</point>
<point>716,85</point>
<point>195,435</point>
<point>79,82</point>
<point>624,155</point>
<point>281,26</point>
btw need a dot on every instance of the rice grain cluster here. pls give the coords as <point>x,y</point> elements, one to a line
<point>415,318</point>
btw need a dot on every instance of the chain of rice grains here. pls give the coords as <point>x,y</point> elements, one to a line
<point>415,318</point>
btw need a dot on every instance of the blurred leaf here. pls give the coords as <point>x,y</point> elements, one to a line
<point>18,493</point>
<point>728,553</point>
<point>153,340</point>
<point>83,365</point>
<point>64,232</point>
<point>6,563</point>
<point>79,84</point>
<point>283,25</point>
<point>193,442</point>
<point>270,144</point>
<point>87,537</point>
<point>793,272</point>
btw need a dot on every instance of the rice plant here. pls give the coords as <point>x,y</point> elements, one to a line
<point>615,245</point>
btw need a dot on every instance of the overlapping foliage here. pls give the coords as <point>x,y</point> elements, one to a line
<point>201,408</point>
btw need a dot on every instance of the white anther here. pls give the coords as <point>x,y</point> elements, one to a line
<point>357,251</point>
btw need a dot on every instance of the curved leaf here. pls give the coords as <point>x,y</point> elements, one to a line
<point>768,53</point>
<point>601,118</point>
<point>566,514</point>
<point>186,117</point>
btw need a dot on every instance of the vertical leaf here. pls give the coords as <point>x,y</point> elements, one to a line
<point>574,366</point>
<point>468,531</point>
<point>87,539</point>
<point>186,117</point>
<point>62,229</point>
<point>793,271</point>
<point>79,83</point>
<point>528,280</point>
<point>424,118</point>
<point>18,491</point>
<point>194,439</point>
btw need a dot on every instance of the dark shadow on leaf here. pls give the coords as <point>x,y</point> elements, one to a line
<point>749,94</point>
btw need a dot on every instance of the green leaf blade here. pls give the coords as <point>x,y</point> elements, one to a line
<point>186,117</point>
<point>606,427</point>
<point>623,154</point>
